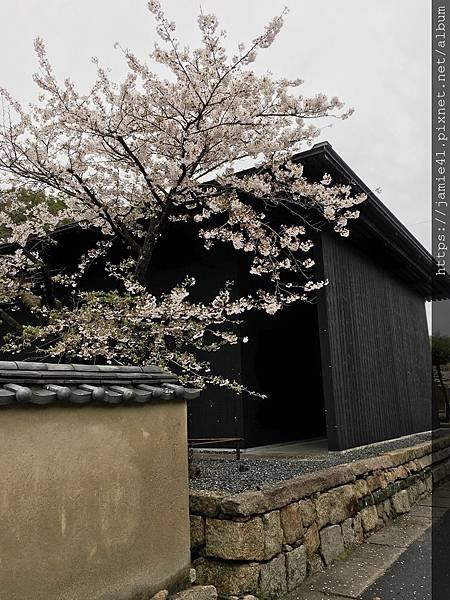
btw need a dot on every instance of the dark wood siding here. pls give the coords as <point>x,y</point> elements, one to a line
<point>218,411</point>
<point>375,350</point>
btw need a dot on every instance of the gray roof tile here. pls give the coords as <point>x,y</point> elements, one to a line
<point>43,384</point>
<point>31,366</point>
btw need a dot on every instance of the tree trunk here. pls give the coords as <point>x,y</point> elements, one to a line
<point>145,256</point>
<point>10,321</point>
<point>444,389</point>
<point>48,297</point>
<point>154,231</point>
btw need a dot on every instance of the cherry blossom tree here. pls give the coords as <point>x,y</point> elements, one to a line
<point>129,158</point>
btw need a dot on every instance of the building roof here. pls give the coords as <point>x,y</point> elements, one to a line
<point>377,231</point>
<point>34,383</point>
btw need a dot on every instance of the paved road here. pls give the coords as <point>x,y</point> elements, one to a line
<point>415,574</point>
<point>441,559</point>
<point>409,577</point>
<point>396,563</point>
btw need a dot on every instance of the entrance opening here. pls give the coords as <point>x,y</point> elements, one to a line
<point>282,361</point>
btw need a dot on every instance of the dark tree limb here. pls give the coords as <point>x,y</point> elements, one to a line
<point>49,288</point>
<point>141,168</point>
<point>154,230</point>
<point>115,226</point>
<point>8,320</point>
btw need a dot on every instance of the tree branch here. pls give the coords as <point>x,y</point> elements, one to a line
<point>115,226</point>
<point>141,168</point>
<point>8,320</point>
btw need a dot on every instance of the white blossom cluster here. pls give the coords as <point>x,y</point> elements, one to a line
<point>128,158</point>
<point>171,331</point>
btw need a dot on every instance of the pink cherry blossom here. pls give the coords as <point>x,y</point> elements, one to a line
<point>129,157</point>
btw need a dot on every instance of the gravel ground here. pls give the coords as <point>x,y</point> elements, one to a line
<point>224,473</point>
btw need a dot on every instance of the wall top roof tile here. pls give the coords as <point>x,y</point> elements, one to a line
<point>42,384</point>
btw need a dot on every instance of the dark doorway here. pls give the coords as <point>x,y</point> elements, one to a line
<point>282,361</point>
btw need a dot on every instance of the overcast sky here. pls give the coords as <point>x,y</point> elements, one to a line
<point>372,54</point>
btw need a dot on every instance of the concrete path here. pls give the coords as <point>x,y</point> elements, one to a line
<point>314,448</point>
<point>395,563</point>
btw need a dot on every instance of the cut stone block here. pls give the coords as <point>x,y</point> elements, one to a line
<point>369,518</point>
<point>273,581</point>
<point>230,579</point>
<point>361,488</point>
<point>312,540</point>
<point>315,564</point>
<point>308,512</point>
<point>331,543</point>
<point>199,592</point>
<point>336,506</point>
<point>296,567</point>
<point>234,540</point>
<point>376,481</point>
<point>162,595</point>
<point>291,520</point>
<point>197,525</point>
<point>352,532</point>
<point>400,502</point>
<point>273,534</point>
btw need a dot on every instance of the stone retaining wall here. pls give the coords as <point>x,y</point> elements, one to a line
<point>267,542</point>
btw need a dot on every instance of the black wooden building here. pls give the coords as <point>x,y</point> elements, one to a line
<point>355,366</point>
